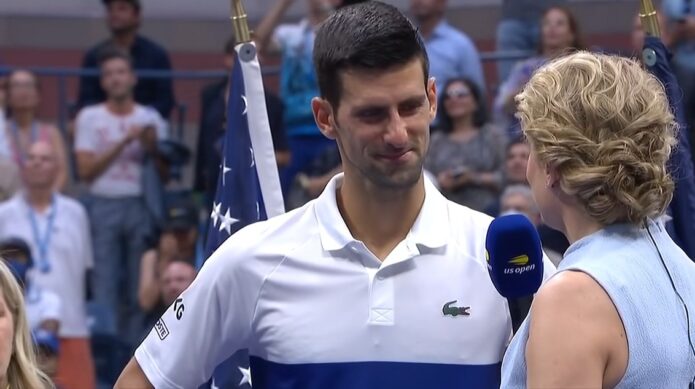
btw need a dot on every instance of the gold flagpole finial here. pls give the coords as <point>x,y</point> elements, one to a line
<point>240,22</point>
<point>650,22</point>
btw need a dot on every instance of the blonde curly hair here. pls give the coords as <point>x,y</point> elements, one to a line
<point>606,126</point>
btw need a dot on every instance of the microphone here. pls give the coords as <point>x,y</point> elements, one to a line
<point>515,262</point>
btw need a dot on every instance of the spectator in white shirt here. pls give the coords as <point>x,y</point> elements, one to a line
<point>113,140</point>
<point>56,229</point>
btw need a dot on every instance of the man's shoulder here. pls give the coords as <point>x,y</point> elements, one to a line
<point>151,45</point>
<point>91,111</point>
<point>457,36</point>
<point>72,206</point>
<point>92,54</point>
<point>10,205</point>
<point>468,226</point>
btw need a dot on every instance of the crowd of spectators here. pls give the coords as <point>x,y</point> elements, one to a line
<point>99,268</point>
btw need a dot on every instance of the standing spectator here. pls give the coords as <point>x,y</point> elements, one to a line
<point>452,53</point>
<point>18,367</point>
<point>57,230</point>
<point>24,128</point>
<point>177,243</point>
<point>514,169</point>
<point>680,27</point>
<point>212,127</point>
<point>123,18</point>
<point>518,29</point>
<point>467,156</point>
<point>177,276</point>
<point>559,35</point>
<point>9,175</point>
<point>112,141</point>
<point>298,83</point>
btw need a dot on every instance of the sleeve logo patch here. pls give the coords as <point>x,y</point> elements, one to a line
<point>161,328</point>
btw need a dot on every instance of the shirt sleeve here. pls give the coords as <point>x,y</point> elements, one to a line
<point>159,123</point>
<point>471,66</point>
<point>84,230</point>
<point>84,133</point>
<point>209,322</point>
<point>51,309</point>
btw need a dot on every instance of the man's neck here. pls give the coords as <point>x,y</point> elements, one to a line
<point>23,118</point>
<point>39,199</point>
<point>380,219</point>
<point>120,106</point>
<point>427,25</point>
<point>126,39</point>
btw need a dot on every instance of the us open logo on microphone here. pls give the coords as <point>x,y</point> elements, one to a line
<point>519,265</point>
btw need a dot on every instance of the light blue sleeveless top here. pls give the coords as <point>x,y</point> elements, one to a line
<point>623,260</point>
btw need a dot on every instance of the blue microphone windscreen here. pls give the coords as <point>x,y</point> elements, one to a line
<point>514,256</point>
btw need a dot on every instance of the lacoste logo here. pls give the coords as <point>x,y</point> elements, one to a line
<point>161,328</point>
<point>455,311</point>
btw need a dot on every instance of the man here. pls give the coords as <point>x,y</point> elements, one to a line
<point>519,29</point>
<point>112,141</point>
<point>518,199</point>
<point>517,159</point>
<point>357,288</point>
<point>123,18</point>
<point>177,276</point>
<point>57,230</point>
<point>452,53</point>
<point>298,83</point>
<point>211,131</point>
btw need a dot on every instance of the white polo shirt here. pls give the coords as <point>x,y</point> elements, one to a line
<point>69,253</point>
<point>317,310</point>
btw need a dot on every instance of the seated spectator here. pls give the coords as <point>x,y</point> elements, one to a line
<point>452,53</point>
<point>309,185</point>
<point>518,199</point>
<point>124,19</point>
<point>47,351</point>
<point>212,129</point>
<point>43,307</point>
<point>23,127</point>
<point>514,169</point>
<point>16,351</point>
<point>177,243</point>
<point>177,276</point>
<point>57,231</point>
<point>559,35</point>
<point>467,155</point>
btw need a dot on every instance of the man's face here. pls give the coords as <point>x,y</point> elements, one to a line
<point>518,203</point>
<point>41,166</point>
<point>517,159</point>
<point>121,17</point>
<point>117,78</point>
<point>382,124</point>
<point>423,9</point>
<point>176,278</point>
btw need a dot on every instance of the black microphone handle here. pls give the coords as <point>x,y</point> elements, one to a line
<point>518,310</point>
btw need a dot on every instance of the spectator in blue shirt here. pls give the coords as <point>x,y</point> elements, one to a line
<point>452,53</point>
<point>123,18</point>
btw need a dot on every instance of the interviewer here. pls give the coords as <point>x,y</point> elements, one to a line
<point>615,314</point>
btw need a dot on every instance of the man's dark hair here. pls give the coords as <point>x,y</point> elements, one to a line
<point>134,3</point>
<point>370,36</point>
<point>111,52</point>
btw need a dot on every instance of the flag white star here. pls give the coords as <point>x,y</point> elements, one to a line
<point>215,215</point>
<point>226,222</point>
<point>253,158</point>
<point>214,385</point>
<point>225,169</point>
<point>246,376</point>
<point>246,104</point>
<point>258,210</point>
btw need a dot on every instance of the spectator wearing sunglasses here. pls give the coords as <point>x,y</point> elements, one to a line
<point>467,154</point>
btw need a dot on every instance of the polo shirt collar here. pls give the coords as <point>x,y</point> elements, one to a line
<point>431,227</point>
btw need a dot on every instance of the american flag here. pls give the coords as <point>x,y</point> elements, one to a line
<point>248,188</point>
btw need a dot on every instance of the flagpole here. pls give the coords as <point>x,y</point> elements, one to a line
<point>650,22</point>
<point>240,22</point>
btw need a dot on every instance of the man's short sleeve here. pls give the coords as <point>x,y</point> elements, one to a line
<point>208,323</point>
<point>159,123</point>
<point>51,306</point>
<point>282,35</point>
<point>85,136</point>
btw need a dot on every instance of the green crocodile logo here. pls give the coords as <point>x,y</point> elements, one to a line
<point>455,311</point>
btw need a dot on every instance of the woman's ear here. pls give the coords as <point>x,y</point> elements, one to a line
<point>552,178</point>
<point>323,115</point>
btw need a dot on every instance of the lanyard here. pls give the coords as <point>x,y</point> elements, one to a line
<point>19,154</point>
<point>43,241</point>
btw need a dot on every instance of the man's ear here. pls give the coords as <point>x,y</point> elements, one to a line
<point>323,115</point>
<point>432,97</point>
